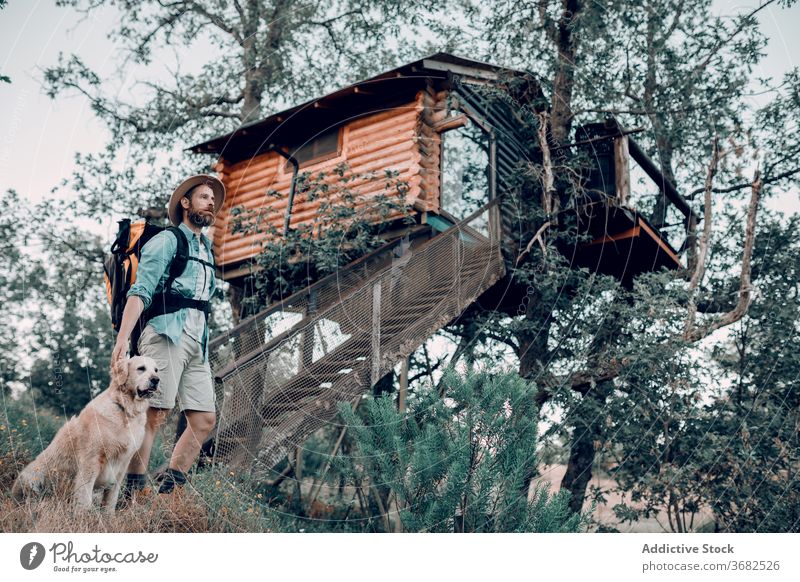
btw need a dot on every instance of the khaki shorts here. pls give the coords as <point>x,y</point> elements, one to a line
<point>182,372</point>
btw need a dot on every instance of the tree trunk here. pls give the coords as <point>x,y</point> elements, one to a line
<point>588,429</point>
<point>564,80</point>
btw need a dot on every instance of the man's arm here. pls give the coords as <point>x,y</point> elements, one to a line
<point>156,257</point>
<point>133,309</point>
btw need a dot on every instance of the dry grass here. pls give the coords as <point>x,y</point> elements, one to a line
<point>193,509</point>
<point>213,501</point>
<point>184,511</point>
<point>159,513</point>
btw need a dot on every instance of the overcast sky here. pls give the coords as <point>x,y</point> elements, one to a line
<point>39,136</point>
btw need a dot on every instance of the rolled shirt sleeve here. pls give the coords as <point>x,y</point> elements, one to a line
<point>157,254</point>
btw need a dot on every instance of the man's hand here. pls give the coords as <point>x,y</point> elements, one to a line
<point>120,349</point>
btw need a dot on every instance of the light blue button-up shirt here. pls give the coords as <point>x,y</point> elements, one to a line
<point>152,274</point>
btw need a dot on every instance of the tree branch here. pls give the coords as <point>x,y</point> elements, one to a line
<point>745,287</point>
<point>742,186</point>
<point>731,36</point>
<point>214,19</point>
<point>705,240</point>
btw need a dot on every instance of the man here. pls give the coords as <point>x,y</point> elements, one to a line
<point>176,333</point>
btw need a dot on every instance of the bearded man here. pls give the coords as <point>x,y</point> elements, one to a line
<point>173,311</point>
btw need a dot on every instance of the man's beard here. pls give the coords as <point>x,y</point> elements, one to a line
<point>199,219</point>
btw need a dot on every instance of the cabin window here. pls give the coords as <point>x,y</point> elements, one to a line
<point>465,174</point>
<point>323,146</point>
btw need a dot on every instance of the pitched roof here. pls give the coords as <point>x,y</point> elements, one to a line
<point>370,95</point>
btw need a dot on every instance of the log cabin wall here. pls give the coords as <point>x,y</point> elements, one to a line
<point>401,139</point>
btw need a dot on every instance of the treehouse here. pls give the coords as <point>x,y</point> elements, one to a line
<point>444,139</point>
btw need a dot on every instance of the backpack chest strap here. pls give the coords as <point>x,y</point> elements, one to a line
<point>201,261</point>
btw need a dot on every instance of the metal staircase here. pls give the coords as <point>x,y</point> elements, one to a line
<point>282,372</point>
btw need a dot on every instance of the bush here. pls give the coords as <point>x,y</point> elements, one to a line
<point>461,462</point>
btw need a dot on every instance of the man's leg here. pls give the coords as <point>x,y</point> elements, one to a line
<point>198,428</point>
<point>170,362</point>
<point>199,425</point>
<point>196,399</point>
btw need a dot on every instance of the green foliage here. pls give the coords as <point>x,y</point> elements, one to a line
<point>266,58</point>
<point>461,462</point>
<point>25,428</point>
<point>752,484</point>
<point>707,439</point>
<point>233,505</point>
<point>74,367</point>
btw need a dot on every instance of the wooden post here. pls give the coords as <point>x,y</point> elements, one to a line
<point>622,174</point>
<point>298,463</point>
<point>376,334</point>
<point>298,476</point>
<point>307,335</point>
<point>401,395</point>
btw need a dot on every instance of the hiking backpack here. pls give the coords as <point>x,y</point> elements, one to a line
<point>121,265</point>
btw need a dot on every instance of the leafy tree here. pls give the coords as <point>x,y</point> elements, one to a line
<point>683,74</point>
<point>72,366</point>
<point>268,55</point>
<point>12,284</point>
<point>683,386</point>
<point>54,287</point>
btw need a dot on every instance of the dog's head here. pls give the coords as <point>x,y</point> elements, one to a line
<point>136,376</point>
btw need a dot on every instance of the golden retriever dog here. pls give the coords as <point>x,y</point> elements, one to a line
<point>92,450</point>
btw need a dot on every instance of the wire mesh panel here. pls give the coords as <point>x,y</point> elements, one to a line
<point>284,372</point>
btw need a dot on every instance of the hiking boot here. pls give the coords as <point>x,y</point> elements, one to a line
<point>170,479</point>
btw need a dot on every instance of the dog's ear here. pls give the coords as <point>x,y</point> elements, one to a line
<point>119,371</point>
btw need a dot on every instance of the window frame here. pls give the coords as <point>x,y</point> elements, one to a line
<point>286,167</point>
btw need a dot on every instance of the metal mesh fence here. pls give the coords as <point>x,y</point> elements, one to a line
<point>283,371</point>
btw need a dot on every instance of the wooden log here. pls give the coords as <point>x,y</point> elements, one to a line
<point>451,122</point>
<point>378,117</point>
<point>306,216</point>
<point>260,173</point>
<point>405,163</point>
<point>437,116</point>
<point>378,142</point>
<point>403,390</point>
<point>251,166</point>
<point>405,121</point>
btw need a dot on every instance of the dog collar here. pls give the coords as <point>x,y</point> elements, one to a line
<point>122,408</point>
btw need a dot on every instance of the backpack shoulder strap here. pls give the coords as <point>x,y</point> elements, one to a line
<point>123,235</point>
<point>178,263</point>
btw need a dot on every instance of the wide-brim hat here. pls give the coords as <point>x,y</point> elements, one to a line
<point>175,210</point>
